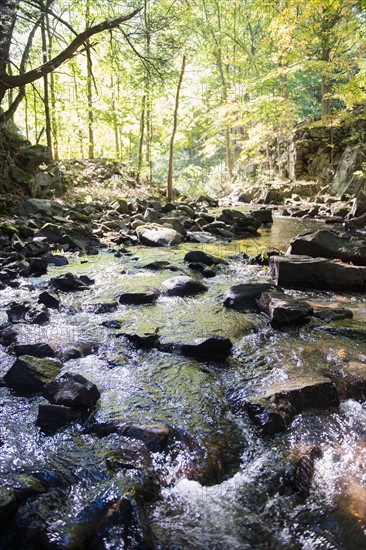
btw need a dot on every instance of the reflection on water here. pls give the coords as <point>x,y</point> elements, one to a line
<point>222,482</point>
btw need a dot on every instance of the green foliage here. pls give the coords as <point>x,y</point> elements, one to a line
<point>255,69</point>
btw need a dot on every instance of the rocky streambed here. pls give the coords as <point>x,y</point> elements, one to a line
<point>192,395</point>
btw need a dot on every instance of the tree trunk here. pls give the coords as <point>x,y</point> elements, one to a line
<point>175,124</point>
<point>141,141</point>
<point>326,105</point>
<point>46,95</point>
<point>52,96</point>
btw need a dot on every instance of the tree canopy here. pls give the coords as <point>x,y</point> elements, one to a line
<point>101,78</point>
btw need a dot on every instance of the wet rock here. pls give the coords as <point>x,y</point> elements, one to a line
<point>37,266</point>
<point>69,283</point>
<point>328,315</point>
<point>326,243</point>
<point>142,341</point>
<point>8,505</point>
<point>317,273</point>
<point>8,229</point>
<point>243,297</point>
<point>72,390</point>
<point>56,259</point>
<point>264,216</point>
<point>102,306</point>
<point>35,350</point>
<point>350,380</point>
<point>28,313</point>
<point>49,299</point>
<point>52,418</point>
<point>155,235</point>
<point>155,436</point>
<point>214,347</point>
<point>77,350</point>
<point>283,309</point>
<point>200,257</point>
<point>8,336</point>
<point>160,265</point>
<point>274,410</point>
<point>304,469</point>
<point>203,269</point>
<point>182,286</point>
<point>353,330</point>
<point>29,375</point>
<point>139,298</point>
<point>37,315</point>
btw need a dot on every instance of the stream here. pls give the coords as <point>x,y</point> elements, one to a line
<point>219,483</point>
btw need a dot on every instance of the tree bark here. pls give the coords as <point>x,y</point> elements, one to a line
<point>141,141</point>
<point>175,124</point>
<point>46,94</point>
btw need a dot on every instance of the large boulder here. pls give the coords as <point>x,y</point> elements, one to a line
<point>274,410</point>
<point>30,158</point>
<point>326,243</point>
<point>182,286</point>
<point>320,273</point>
<point>243,297</point>
<point>155,235</point>
<point>283,309</point>
<point>349,178</point>
<point>44,207</point>
<point>53,417</point>
<point>72,390</point>
<point>29,375</point>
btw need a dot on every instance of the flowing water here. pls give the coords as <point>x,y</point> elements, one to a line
<point>221,481</point>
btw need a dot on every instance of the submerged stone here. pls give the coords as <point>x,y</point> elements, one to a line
<point>139,298</point>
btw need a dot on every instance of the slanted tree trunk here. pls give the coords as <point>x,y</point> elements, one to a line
<point>175,124</point>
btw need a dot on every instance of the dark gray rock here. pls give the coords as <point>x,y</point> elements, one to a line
<point>32,207</point>
<point>72,390</point>
<point>317,273</point>
<point>274,410</point>
<point>49,299</point>
<point>142,341</point>
<point>283,309</point>
<point>264,216</point>
<point>8,505</point>
<point>29,375</point>
<point>155,436</point>
<point>214,347</point>
<point>36,247</point>
<point>203,269</point>
<point>182,286</point>
<point>98,306</point>
<point>139,298</point>
<point>77,350</point>
<point>35,350</point>
<point>69,283</point>
<point>27,313</point>
<point>200,257</point>
<point>52,418</point>
<point>243,297</point>
<point>333,314</point>
<point>30,158</point>
<point>326,243</point>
